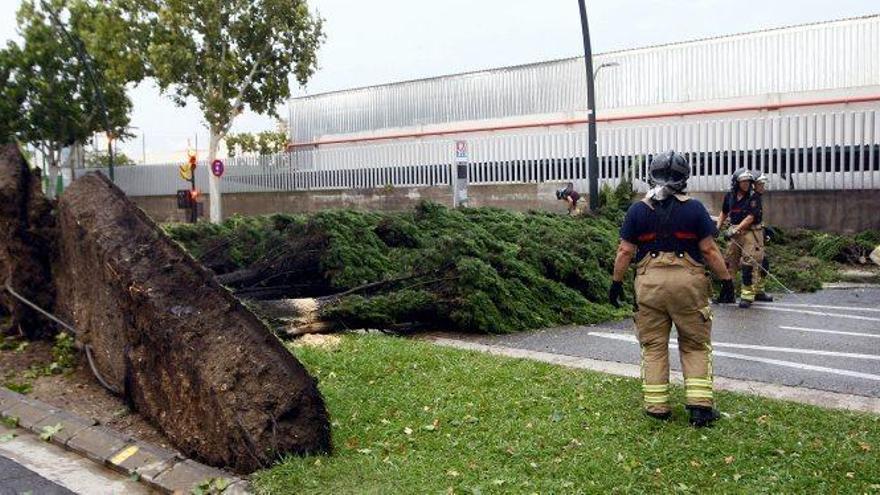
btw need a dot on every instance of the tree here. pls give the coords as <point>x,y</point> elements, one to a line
<point>263,143</point>
<point>228,56</point>
<point>55,94</point>
<point>100,159</point>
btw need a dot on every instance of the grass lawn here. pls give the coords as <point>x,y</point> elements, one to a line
<point>409,417</point>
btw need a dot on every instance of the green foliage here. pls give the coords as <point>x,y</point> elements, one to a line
<point>21,388</point>
<point>482,270</point>
<point>244,240</point>
<point>49,98</point>
<point>50,431</point>
<point>9,421</point>
<point>410,417</point>
<point>263,143</point>
<point>63,352</point>
<point>99,159</point>
<point>227,56</point>
<point>211,486</point>
<point>617,198</point>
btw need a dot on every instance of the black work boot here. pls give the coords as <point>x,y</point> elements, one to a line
<point>763,297</point>
<point>662,416</point>
<point>702,416</point>
<point>745,303</point>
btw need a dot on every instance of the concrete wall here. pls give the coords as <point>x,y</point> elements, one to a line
<point>832,211</point>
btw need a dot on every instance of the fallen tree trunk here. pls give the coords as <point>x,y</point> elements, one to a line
<point>187,354</point>
<point>27,231</point>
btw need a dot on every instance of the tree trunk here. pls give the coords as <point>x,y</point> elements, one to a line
<point>214,181</point>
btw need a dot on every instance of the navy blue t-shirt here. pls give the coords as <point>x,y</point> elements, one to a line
<point>671,227</point>
<point>740,208</point>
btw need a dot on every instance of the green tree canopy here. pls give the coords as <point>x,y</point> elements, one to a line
<point>49,94</point>
<point>226,55</point>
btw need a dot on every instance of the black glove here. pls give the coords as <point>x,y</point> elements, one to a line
<point>769,234</point>
<point>615,294</point>
<point>730,233</point>
<point>727,295</point>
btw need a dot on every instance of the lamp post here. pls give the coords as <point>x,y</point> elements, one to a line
<point>593,160</point>
<point>606,65</point>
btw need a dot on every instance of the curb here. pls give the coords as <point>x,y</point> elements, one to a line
<point>819,398</point>
<point>160,469</point>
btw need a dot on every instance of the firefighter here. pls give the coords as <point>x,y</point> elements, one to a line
<point>742,208</point>
<point>760,275</point>
<point>671,239</point>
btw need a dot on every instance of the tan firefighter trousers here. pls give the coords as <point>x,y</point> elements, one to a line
<point>673,289</point>
<point>746,251</point>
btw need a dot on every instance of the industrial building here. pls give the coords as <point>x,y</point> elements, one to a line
<point>800,103</point>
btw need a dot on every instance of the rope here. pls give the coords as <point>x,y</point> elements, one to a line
<point>752,260</point>
<point>86,347</point>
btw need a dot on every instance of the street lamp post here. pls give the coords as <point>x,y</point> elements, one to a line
<point>593,160</point>
<point>606,65</point>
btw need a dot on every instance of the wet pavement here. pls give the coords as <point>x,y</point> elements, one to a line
<point>15,479</point>
<point>30,465</point>
<point>829,341</point>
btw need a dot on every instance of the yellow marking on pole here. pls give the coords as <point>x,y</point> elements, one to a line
<point>124,454</point>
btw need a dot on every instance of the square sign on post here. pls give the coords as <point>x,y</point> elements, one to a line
<point>460,178</point>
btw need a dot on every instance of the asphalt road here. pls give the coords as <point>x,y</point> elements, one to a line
<point>829,340</point>
<point>15,480</point>
<point>30,465</point>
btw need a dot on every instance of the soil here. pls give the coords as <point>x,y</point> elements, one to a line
<point>187,354</point>
<point>76,391</point>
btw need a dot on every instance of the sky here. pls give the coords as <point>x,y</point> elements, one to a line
<point>380,41</point>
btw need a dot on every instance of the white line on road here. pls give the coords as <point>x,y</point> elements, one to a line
<point>817,313</point>
<point>817,306</point>
<point>833,332</point>
<point>777,362</point>
<point>788,350</point>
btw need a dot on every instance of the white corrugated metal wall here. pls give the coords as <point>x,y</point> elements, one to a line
<point>839,54</point>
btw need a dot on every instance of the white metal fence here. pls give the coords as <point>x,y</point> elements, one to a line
<point>829,151</point>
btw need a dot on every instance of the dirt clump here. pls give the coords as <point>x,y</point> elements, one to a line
<point>27,232</point>
<point>183,351</point>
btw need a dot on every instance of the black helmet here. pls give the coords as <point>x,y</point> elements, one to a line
<point>739,176</point>
<point>669,169</point>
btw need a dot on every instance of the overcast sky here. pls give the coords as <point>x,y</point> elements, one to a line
<point>378,41</point>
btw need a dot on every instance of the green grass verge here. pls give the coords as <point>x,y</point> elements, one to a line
<point>409,417</point>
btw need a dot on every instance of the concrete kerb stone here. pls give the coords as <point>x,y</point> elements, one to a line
<point>69,424</point>
<point>27,413</point>
<point>187,475</point>
<point>819,398</point>
<point>144,460</point>
<point>161,469</point>
<point>98,443</point>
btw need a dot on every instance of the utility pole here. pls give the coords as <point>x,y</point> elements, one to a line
<point>592,149</point>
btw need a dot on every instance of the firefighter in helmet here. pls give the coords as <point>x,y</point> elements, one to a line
<point>760,275</point>
<point>744,251</point>
<point>670,237</point>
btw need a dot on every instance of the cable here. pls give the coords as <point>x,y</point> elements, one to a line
<point>86,347</point>
<point>761,267</point>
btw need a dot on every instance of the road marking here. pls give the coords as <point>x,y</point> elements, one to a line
<point>817,313</point>
<point>833,332</point>
<point>744,357</point>
<point>788,350</point>
<point>818,306</point>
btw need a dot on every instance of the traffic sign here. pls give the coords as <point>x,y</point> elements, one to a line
<point>217,168</point>
<point>461,152</point>
<point>185,172</point>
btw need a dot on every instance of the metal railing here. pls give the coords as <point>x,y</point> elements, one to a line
<point>828,151</point>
